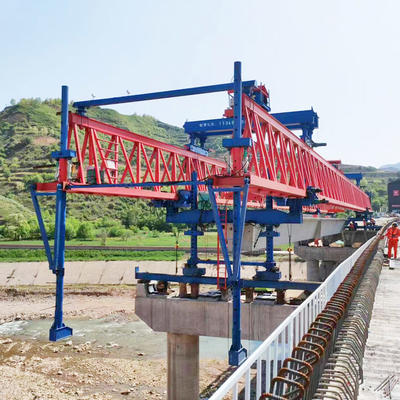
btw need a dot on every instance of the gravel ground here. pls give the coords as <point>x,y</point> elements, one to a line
<point>32,369</point>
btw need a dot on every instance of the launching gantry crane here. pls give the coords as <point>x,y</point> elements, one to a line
<point>267,164</point>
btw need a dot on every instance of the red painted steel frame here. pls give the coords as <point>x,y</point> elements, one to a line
<point>279,164</point>
<point>143,160</point>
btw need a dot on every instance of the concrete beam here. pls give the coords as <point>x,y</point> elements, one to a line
<point>337,254</point>
<point>311,228</point>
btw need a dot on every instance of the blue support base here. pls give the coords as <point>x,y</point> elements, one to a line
<point>268,275</point>
<point>236,357</point>
<point>240,142</point>
<point>63,154</point>
<point>63,332</point>
<point>194,271</point>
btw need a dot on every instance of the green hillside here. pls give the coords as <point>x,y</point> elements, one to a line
<point>30,131</point>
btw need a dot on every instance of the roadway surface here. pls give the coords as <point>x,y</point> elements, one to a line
<point>382,354</point>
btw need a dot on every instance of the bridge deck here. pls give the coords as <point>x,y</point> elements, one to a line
<point>382,354</point>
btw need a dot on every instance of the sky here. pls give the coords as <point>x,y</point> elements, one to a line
<point>340,57</point>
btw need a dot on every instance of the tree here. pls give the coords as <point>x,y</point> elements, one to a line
<point>17,227</point>
<point>71,228</point>
<point>116,231</point>
<point>103,237</point>
<point>126,235</point>
<point>131,218</point>
<point>85,231</point>
<point>6,171</point>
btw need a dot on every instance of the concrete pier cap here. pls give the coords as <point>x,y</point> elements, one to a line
<point>185,316</point>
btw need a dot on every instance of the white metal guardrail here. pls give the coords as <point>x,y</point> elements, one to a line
<point>279,345</point>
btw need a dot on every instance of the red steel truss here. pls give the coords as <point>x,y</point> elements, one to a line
<point>279,164</point>
<point>119,156</point>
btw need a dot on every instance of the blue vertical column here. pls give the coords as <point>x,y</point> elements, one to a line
<point>191,268</point>
<point>271,272</point>
<point>64,119</point>
<point>237,108</point>
<point>237,354</point>
<point>59,330</point>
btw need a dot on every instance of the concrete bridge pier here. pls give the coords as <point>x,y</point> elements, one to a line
<point>183,366</point>
<point>313,270</point>
<point>326,268</point>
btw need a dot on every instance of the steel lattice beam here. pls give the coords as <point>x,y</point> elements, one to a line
<point>279,164</point>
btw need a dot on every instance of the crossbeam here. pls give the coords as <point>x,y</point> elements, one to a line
<point>224,87</point>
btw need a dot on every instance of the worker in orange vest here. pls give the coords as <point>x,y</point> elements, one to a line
<point>393,234</point>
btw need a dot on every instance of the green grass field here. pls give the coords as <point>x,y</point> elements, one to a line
<point>145,239</point>
<point>22,255</point>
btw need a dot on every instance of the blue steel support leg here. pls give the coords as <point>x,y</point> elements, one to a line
<point>59,330</point>
<point>191,269</point>
<point>271,271</point>
<point>193,238</point>
<point>42,229</point>
<point>237,353</point>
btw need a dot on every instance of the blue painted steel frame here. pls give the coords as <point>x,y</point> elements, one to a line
<point>56,263</point>
<point>262,217</point>
<point>191,269</point>
<point>42,227</point>
<point>59,330</point>
<point>306,120</point>
<point>356,176</point>
<point>210,280</point>
<point>238,215</point>
<point>81,105</point>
